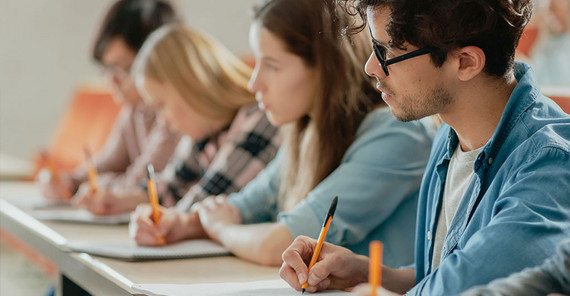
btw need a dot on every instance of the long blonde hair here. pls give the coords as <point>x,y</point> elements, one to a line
<point>315,31</point>
<point>211,79</point>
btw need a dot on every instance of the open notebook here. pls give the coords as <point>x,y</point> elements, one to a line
<point>78,216</point>
<point>266,288</point>
<point>131,252</point>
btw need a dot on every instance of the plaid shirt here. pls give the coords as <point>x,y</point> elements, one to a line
<point>225,162</point>
<point>138,137</point>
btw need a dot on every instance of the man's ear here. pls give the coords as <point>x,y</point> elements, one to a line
<point>470,61</point>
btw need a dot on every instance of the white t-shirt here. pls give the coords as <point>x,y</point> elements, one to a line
<point>459,176</point>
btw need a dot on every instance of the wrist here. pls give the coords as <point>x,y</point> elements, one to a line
<point>398,280</point>
<point>192,226</point>
<point>362,269</point>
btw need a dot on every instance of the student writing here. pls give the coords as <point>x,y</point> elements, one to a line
<point>494,197</point>
<point>342,140</point>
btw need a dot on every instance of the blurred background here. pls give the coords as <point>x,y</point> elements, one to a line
<point>45,49</point>
<point>45,56</point>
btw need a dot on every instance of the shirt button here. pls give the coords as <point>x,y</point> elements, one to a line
<point>490,160</point>
<point>429,235</point>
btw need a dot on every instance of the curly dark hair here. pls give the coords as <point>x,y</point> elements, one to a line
<point>495,26</point>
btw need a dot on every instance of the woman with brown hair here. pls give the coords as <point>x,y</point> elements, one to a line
<point>342,140</point>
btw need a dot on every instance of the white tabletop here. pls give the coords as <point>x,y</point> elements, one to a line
<point>13,168</point>
<point>104,276</point>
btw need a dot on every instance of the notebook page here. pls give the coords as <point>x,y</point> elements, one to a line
<point>79,216</point>
<point>131,252</point>
<point>265,288</point>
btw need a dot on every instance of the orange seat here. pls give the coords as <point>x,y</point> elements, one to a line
<point>527,40</point>
<point>563,102</point>
<point>87,122</point>
<point>560,95</point>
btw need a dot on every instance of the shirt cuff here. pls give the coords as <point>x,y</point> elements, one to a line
<point>244,211</point>
<point>302,220</point>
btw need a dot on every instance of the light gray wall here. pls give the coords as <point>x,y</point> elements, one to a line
<point>44,55</point>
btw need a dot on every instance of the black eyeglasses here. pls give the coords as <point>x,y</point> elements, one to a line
<point>380,53</point>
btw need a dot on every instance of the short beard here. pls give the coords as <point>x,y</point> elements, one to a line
<point>416,108</point>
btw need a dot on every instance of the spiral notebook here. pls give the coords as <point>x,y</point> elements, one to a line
<point>131,252</point>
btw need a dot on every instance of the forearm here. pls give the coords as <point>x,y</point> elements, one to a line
<point>260,243</point>
<point>398,280</point>
<point>192,227</point>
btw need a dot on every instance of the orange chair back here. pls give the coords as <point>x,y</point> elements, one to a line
<point>560,95</point>
<point>563,102</point>
<point>87,122</point>
<point>528,38</point>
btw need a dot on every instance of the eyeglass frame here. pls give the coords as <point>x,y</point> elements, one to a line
<point>385,63</point>
<point>116,70</point>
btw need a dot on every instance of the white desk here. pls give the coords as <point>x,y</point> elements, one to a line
<point>13,168</point>
<point>103,276</point>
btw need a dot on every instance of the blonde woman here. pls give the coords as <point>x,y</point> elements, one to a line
<point>342,141</point>
<point>200,88</point>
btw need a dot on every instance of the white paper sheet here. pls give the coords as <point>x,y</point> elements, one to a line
<point>131,252</point>
<point>266,288</point>
<point>45,203</point>
<point>79,216</point>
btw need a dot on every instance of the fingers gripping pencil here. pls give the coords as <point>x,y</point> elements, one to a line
<point>321,240</point>
<point>153,198</point>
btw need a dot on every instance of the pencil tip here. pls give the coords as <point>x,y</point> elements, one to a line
<point>150,171</point>
<point>333,207</point>
<point>303,291</point>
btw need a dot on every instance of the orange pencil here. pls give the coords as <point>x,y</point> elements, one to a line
<point>153,198</point>
<point>91,170</point>
<point>375,274</point>
<point>321,239</point>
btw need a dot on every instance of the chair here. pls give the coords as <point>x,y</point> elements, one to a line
<point>563,102</point>
<point>559,95</point>
<point>87,122</point>
<point>527,40</point>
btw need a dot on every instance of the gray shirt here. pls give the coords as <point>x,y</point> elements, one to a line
<point>457,181</point>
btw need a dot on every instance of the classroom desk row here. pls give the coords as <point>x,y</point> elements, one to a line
<point>104,276</point>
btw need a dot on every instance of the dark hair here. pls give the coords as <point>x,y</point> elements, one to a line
<point>315,30</point>
<point>495,26</point>
<point>132,20</point>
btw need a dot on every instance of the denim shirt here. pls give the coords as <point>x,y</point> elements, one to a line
<point>377,183</point>
<point>517,207</point>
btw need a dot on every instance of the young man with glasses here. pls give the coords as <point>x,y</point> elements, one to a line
<point>495,194</point>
